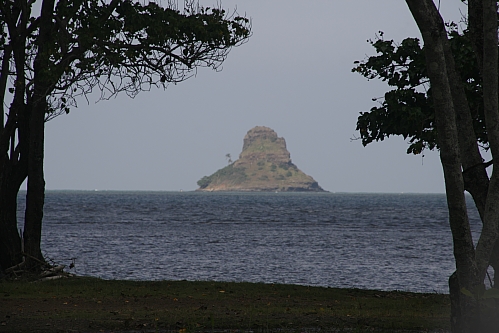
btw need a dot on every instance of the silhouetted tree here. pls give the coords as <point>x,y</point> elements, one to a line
<point>445,96</point>
<point>66,50</point>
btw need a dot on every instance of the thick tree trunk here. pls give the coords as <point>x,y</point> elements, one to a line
<point>13,172</point>
<point>489,233</point>
<point>10,241</point>
<point>456,318</point>
<point>476,180</point>
<point>476,28</point>
<point>494,262</point>
<point>475,176</point>
<point>432,28</point>
<point>37,109</point>
<point>35,196</point>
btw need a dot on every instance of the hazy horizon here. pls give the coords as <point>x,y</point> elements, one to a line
<point>294,76</point>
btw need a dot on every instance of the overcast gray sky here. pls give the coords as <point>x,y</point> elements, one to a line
<point>292,76</point>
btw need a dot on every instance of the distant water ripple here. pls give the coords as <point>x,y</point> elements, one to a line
<point>375,241</point>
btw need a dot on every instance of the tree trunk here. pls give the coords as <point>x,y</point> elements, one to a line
<point>475,176</point>
<point>455,301</point>
<point>35,196</point>
<point>37,109</point>
<point>432,28</point>
<point>13,172</point>
<point>489,233</point>
<point>10,241</point>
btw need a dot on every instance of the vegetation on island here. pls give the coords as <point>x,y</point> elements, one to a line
<point>263,165</point>
<point>237,175</point>
<point>445,95</point>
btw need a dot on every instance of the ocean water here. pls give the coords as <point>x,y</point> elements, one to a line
<point>372,241</point>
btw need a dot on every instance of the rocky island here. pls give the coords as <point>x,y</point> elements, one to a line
<point>263,165</point>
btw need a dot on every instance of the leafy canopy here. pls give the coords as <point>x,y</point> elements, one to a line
<point>407,109</point>
<point>116,46</point>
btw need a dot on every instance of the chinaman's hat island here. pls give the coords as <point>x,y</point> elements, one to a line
<point>264,165</point>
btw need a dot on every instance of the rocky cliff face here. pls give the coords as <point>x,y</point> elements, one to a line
<point>262,143</point>
<point>263,165</point>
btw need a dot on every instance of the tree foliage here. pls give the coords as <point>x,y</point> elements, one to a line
<point>407,109</point>
<point>236,174</point>
<point>121,46</point>
<point>55,53</point>
<point>445,96</point>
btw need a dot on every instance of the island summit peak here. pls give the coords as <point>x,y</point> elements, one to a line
<point>264,165</point>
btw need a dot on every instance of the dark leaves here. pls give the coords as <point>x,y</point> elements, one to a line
<point>407,109</point>
<point>128,48</point>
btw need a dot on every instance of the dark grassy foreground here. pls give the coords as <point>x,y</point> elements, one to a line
<point>94,305</point>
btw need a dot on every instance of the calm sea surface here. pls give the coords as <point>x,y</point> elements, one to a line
<point>375,241</point>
